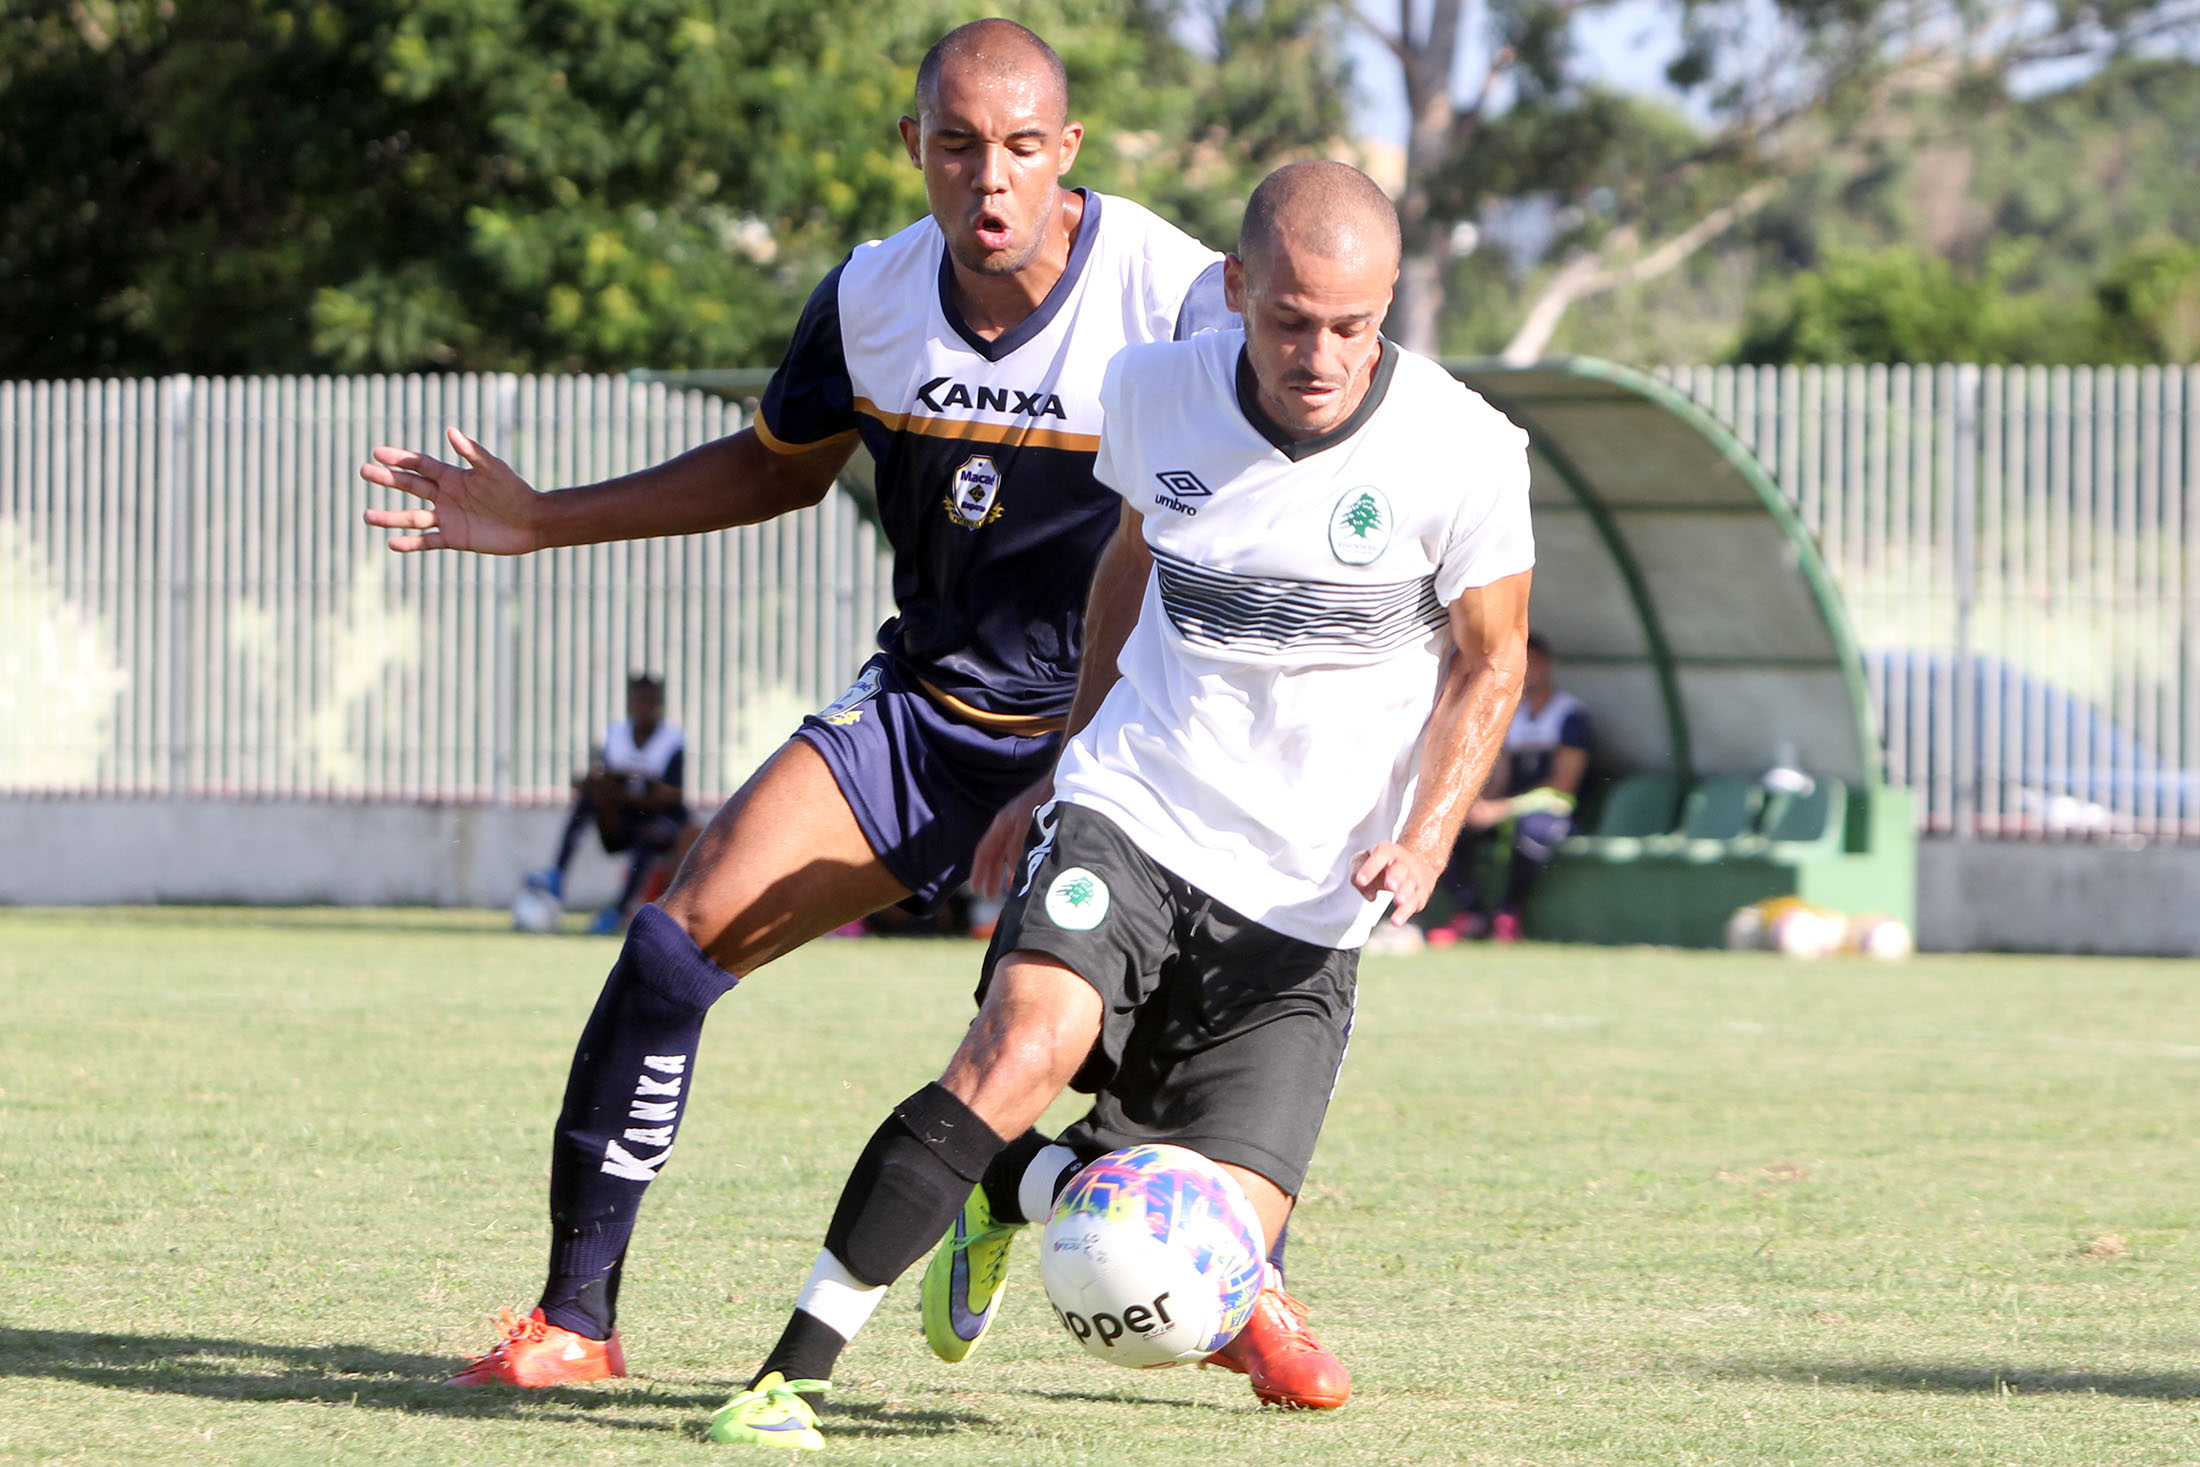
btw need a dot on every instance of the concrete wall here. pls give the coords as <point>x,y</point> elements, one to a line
<point>2009,896</point>
<point>282,852</point>
<point>1971,896</point>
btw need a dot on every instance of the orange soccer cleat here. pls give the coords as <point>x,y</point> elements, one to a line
<point>535,1352</point>
<point>1280,1356</point>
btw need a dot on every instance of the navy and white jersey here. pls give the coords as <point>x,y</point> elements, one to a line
<point>1274,694</point>
<point>985,448</point>
<point>1533,740</point>
<point>662,756</point>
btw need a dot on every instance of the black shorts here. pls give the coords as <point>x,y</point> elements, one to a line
<point>1216,1033</point>
<point>652,830</point>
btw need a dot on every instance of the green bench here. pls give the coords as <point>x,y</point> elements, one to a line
<point>1662,867</point>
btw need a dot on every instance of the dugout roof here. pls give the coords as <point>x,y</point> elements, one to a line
<point>1684,600</point>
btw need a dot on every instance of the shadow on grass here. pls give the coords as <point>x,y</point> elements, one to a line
<point>348,1375</point>
<point>354,1375</point>
<point>1971,1380</point>
<point>1129,1398</point>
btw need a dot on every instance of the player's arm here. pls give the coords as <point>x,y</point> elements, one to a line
<point>1111,610</point>
<point>1569,766</point>
<point>654,793</point>
<point>1466,732</point>
<point>481,505</point>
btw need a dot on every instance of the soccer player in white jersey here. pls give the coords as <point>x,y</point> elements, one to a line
<point>966,353</point>
<point>1306,641</point>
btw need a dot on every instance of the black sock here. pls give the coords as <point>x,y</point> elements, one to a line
<point>906,1187</point>
<point>808,1349</point>
<point>1004,1177</point>
<point>630,1080</point>
<point>1275,1251</point>
<point>900,1197</point>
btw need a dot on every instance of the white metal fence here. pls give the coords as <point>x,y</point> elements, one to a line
<point>190,605</point>
<point>2019,550</point>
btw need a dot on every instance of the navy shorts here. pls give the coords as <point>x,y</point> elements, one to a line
<point>923,785</point>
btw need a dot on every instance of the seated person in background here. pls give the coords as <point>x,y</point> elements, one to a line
<point>633,795</point>
<point>1528,807</point>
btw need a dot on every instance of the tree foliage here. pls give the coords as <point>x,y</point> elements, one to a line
<point>251,185</point>
<point>1507,121</point>
<point>2054,228</point>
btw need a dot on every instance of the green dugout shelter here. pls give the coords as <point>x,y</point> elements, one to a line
<point>1689,609</point>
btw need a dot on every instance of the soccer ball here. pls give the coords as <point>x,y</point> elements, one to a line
<point>1153,1257</point>
<point>1884,937</point>
<point>1745,930</point>
<point>1804,931</point>
<point>535,910</point>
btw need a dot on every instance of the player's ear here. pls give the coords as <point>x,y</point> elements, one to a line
<point>1073,139</point>
<point>912,138</point>
<point>1233,283</point>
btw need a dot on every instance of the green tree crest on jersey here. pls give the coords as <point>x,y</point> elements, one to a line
<point>1077,900</point>
<point>1360,525</point>
<point>1365,516</point>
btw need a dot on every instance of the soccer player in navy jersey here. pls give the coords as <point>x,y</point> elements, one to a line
<point>966,354</point>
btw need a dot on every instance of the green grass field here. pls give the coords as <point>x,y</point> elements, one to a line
<point>264,1178</point>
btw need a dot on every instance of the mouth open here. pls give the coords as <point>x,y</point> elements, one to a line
<point>992,231</point>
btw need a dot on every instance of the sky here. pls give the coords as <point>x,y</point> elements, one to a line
<point>1628,45</point>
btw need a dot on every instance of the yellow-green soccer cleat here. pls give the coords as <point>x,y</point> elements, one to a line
<point>967,1276</point>
<point>771,1415</point>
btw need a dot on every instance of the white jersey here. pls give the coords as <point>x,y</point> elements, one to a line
<point>1268,723</point>
<point>621,755</point>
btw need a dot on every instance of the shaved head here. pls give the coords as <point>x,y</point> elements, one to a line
<point>992,48</point>
<point>1311,279</point>
<point>1332,210</point>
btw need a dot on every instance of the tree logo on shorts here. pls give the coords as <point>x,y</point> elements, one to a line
<point>1077,900</point>
<point>1359,527</point>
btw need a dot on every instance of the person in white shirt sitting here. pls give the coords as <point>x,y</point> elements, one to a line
<point>633,795</point>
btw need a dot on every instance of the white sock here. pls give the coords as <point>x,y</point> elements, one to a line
<point>836,1298</point>
<point>1035,1193</point>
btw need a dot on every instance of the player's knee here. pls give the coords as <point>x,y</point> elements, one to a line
<point>1024,1046</point>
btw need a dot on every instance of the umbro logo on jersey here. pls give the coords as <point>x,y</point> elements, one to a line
<point>1182,484</point>
<point>990,399</point>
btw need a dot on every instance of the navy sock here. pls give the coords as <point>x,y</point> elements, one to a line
<point>637,872</point>
<point>1275,1251</point>
<point>629,1083</point>
<point>582,820</point>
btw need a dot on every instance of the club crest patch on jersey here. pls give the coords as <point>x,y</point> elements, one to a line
<point>848,707</point>
<point>1360,525</point>
<point>1077,901</point>
<point>974,498</point>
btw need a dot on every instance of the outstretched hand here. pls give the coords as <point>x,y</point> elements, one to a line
<point>1405,873</point>
<point>483,507</point>
<point>993,869</point>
